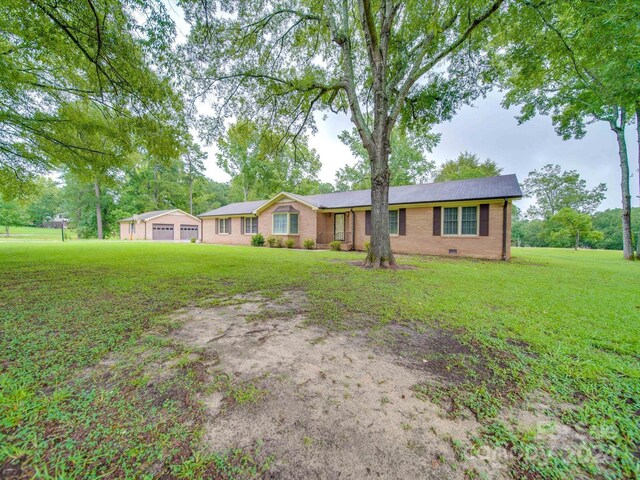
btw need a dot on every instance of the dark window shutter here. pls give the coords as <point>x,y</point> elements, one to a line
<point>243,227</point>
<point>437,212</point>
<point>257,225</point>
<point>367,222</point>
<point>484,220</point>
<point>217,220</point>
<point>402,221</point>
<point>229,229</point>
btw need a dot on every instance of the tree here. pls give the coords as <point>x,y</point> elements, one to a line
<point>576,60</point>
<point>103,147</point>
<point>409,64</point>
<point>261,167</point>
<point>569,223</point>
<point>608,222</point>
<point>193,167</point>
<point>408,163</point>
<point>554,190</point>
<point>45,202</point>
<point>11,214</point>
<point>55,53</point>
<point>466,166</point>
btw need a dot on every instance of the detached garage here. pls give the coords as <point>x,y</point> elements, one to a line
<point>164,225</point>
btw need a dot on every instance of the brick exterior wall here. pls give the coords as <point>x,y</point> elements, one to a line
<point>236,237</point>
<point>419,236</point>
<point>308,220</point>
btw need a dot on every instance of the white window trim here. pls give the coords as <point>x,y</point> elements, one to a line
<point>288,214</point>
<point>244,224</point>
<point>219,223</point>
<point>398,233</point>
<point>460,234</point>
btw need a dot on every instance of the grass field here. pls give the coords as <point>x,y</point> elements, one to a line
<point>22,234</point>
<point>557,322</point>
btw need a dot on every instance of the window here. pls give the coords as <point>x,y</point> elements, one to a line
<point>394,222</point>
<point>250,225</point>
<point>285,223</point>
<point>224,226</point>
<point>460,221</point>
<point>469,221</point>
<point>132,228</point>
<point>450,225</point>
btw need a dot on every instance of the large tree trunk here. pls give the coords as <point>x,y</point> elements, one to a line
<point>96,187</point>
<point>627,247</point>
<point>380,254</point>
<point>6,230</point>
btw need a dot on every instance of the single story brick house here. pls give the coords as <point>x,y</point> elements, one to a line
<point>469,218</point>
<point>160,225</point>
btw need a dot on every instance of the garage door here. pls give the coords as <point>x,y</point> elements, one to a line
<point>187,232</point>
<point>162,231</point>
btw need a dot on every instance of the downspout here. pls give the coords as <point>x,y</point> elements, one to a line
<point>201,232</point>
<point>504,229</point>
<point>353,229</point>
<point>145,230</point>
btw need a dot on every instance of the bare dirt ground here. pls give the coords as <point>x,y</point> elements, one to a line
<point>330,405</point>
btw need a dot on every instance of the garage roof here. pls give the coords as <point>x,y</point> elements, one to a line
<point>143,217</point>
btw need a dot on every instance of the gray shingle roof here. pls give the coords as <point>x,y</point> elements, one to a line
<point>146,215</point>
<point>504,186</point>
<point>240,208</point>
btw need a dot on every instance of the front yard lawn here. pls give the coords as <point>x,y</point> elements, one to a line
<point>81,322</point>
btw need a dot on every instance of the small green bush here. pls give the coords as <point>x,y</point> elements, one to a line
<point>309,244</point>
<point>257,240</point>
<point>279,243</point>
<point>271,241</point>
<point>336,246</point>
<point>290,243</point>
<point>367,247</point>
<point>192,239</point>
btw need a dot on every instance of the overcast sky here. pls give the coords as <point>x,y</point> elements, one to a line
<point>489,131</point>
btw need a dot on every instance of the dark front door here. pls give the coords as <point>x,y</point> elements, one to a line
<point>187,232</point>
<point>338,227</point>
<point>162,231</point>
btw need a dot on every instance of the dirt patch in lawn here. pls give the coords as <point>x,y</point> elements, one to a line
<point>324,405</point>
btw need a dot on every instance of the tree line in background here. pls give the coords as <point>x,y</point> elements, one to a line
<point>100,94</point>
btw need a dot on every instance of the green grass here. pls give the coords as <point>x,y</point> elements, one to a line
<point>22,234</point>
<point>558,321</point>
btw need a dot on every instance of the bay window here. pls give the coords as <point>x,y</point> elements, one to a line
<point>285,223</point>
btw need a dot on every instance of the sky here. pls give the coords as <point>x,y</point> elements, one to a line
<point>490,131</point>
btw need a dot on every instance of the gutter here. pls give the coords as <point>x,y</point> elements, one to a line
<point>353,229</point>
<point>504,229</point>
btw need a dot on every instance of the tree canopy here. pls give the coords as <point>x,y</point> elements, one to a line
<point>408,162</point>
<point>467,165</point>
<point>554,189</point>
<point>385,64</point>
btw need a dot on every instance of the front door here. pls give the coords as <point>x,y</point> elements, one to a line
<point>338,227</point>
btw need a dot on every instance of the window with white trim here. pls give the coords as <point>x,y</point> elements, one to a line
<point>394,222</point>
<point>224,226</point>
<point>460,221</point>
<point>285,224</point>
<point>250,225</point>
<point>132,228</point>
